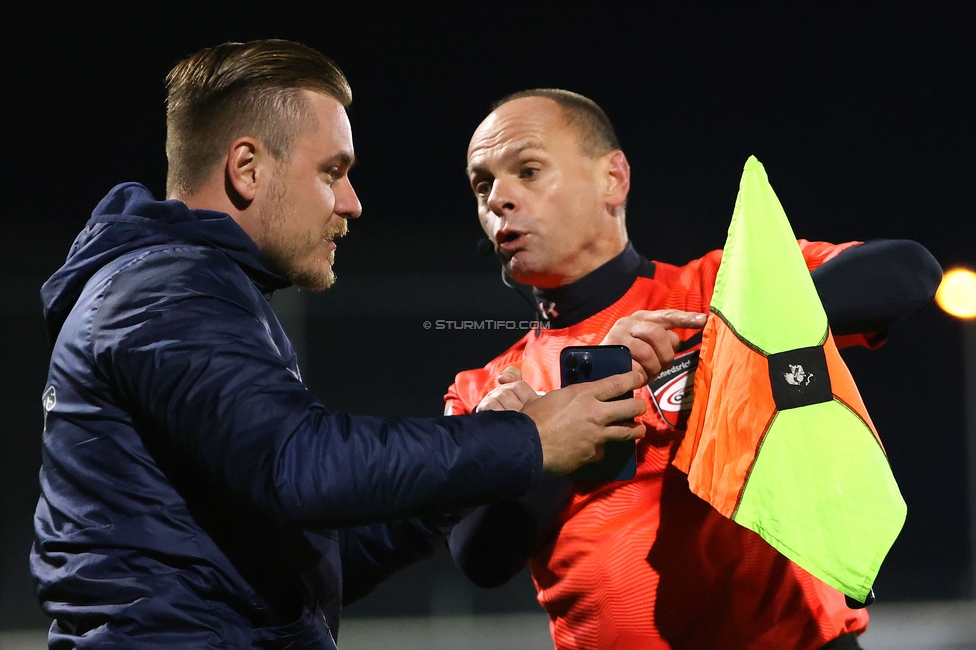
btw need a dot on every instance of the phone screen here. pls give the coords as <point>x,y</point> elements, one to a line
<point>589,363</point>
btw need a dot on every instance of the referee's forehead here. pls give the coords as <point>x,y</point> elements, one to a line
<point>518,125</point>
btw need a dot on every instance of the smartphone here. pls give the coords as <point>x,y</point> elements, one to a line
<point>589,363</point>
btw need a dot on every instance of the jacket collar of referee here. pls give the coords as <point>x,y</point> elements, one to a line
<point>575,302</point>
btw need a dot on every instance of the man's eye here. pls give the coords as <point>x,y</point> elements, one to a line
<point>482,188</point>
<point>528,172</point>
<point>332,175</point>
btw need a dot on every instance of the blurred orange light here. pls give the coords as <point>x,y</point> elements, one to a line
<point>957,293</point>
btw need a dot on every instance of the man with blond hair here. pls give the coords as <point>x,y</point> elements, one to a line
<point>194,493</point>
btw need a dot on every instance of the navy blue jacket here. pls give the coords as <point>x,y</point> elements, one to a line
<point>195,494</point>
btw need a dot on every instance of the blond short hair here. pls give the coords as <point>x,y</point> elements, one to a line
<point>241,89</point>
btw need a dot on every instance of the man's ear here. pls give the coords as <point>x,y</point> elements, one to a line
<point>242,171</point>
<point>618,178</point>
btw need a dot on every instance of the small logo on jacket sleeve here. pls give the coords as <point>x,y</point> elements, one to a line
<point>49,400</point>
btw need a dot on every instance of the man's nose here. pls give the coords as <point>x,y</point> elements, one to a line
<point>347,202</point>
<point>502,197</point>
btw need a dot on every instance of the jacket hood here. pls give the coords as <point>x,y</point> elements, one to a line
<point>128,219</point>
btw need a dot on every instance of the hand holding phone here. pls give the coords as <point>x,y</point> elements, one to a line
<point>590,363</point>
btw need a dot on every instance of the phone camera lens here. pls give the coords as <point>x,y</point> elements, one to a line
<point>572,361</point>
<point>586,368</point>
<point>572,376</point>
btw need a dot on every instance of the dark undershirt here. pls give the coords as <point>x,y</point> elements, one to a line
<point>864,289</point>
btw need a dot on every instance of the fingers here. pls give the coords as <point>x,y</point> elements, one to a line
<point>489,403</point>
<point>622,411</point>
<point>652,347</point>
<point>625,431</point>
<point>614,386</point>
<point>649,337</point>
<point>523,392</point>
<point>508,396</point>
<point>502,401</point>
<point>638,368</point>
<point>574,422</point>
<point>672,318</point>
<point>662,343</point>
<point>509,375</point>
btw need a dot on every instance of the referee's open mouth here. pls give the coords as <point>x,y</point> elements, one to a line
<point>510,241</point>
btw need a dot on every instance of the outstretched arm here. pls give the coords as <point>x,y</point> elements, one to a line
<point>869,288</point>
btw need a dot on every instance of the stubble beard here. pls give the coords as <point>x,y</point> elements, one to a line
<point>283,254</point>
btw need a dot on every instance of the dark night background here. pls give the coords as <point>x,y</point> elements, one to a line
<point>863,116</point>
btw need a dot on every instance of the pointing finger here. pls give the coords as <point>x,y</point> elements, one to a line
<point>673,318</point>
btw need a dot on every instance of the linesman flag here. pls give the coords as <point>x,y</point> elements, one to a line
<point>779,440</point>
